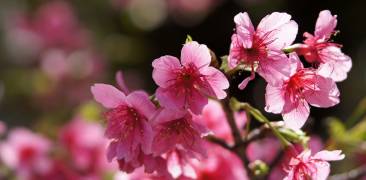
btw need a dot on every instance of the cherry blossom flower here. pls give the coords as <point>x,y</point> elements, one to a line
<point>179,164</point>
<point>128,126</point>
<point>321,51</point>
<point>306,166</point>
<point>178,129</point>
<point>214,117</point>
<point>87,145</point>
<point>292,97</point>
<point>187,84</point>
<point>261,49</point>
<point>26,153</point>
<point>258,150</point>
<point>57,25</point>
<point>314,144</point>
<point>219,164</point>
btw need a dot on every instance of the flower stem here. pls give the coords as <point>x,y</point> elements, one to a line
<point>260,117</point>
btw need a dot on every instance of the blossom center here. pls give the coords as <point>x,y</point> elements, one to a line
<point>313,51</point>
<point>124,120</point>
<point>27,153</point>
<point>187,78</point>
<point>302,80</point>
<point>256,52</point>
<point>176,126</point>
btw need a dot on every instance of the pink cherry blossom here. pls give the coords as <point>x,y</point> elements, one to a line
<point>261,49</point>
<point>179,164</point>
<point>186,84</point>
<point>258,150</point>
<point>292,97</point>
<point>214,117</point>
<point>128,125</point>
<point>178,129</point>
<point>220,164</point>
<point>306,166</point>
<point>87,146</point>
<point>26,153</point>
<point>57,25</point>
<point>314,144</point>
<point>319,50</point>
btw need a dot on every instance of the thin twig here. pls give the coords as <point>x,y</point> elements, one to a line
<point>258,133</point>
<point>231,121</point>
<point>218,141</point>
<point>237,136</point>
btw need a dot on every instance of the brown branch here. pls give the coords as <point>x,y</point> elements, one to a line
<point>258,133</point>
<point>241,143</point>
<point>218,141</point>
<point>231,121</point>
<point>237,136</point>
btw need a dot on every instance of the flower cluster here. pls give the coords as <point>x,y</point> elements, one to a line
<point>77,153</point>
<point>143,134</point>
<point>54,42</point>
<point>166,133</point>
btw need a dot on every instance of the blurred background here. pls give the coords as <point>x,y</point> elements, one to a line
<point>52,51</point>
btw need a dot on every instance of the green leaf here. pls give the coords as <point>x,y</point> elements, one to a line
<point>90,111</point>
<point>297,136</point>
<point>336,128</point>
<point>224,64</point>
<point>189,39</point>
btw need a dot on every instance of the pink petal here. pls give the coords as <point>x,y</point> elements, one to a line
<point>148,138</point>
<point>107,95</point>
<point>166,115</point>
<point>274,69</point>
<point>325,24</point>
<point>325,93</point>
<point>305,155</point>
<point>279,28</point>
<point>197,101</point>
<point>285,36</point>
<point>163,143</point>
<point>273,21</point>
<point>111,151</point>
<point>336,64</point>
<point>217,82</point>
<point>214,117</point>
<point>236,48</point>
<point>244,28</point>
<point>140,101</point>
<point>295,63</point>
<point>152,164</point>
<point>164,73</point>
<point>121,82</point>
<point>290,175</point>
<point>329,155</point>
<point>123,149</point>
<point>196,54</point>
<point>274,99</point>
<point>295,115</point>
<point>258,150</point>
<point>170,99</point>
<point>322,170</point>
<point>245,82</point>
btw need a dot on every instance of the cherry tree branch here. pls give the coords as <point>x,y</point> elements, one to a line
<point>237,136</point>
<point>218,141</point>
